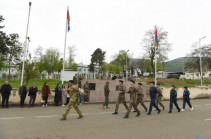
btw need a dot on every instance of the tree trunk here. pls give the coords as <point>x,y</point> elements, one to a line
<point>9,70</point>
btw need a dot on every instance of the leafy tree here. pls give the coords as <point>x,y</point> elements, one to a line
<point>149,46</point>
<point>91,67</point>
<point>30,70</point>
<point>111,68</point>
<point>14,50</point>
<point>98,57</point>
<point>120,58</point>
<point>51,60</point>
<point>194,63</point>
<point>3,39</point>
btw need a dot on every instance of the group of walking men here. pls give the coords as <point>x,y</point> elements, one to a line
<point>137,97</point>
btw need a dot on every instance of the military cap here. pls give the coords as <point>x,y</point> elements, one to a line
<point>185,87</point>
<point>140,83</point>
<point>158,84</point>
<point>174,86</point>
<point>121,81</point>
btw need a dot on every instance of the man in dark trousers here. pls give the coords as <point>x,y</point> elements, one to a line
<point>186,98</point>
<point>173,99</point>
<point>22,93</point>
<point>153,94</point>
<point>5,92</point>
<point>32,94</point>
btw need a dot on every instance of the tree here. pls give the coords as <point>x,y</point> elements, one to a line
<point>50,60</point>
<point>98,57</point>
<point>70,64</point>
<point>194,63</point>
<point>3,39</point>
<point>149,46</point>
<point>14,50</point>
<point>30,70</point>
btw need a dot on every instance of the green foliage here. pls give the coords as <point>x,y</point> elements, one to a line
<point>121,58</point>
<point>3,39</point>
<point>111,68</point>
<point>149,46</point>
<point>98,57</point>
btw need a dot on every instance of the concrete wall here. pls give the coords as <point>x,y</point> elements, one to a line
<point>97,96</point>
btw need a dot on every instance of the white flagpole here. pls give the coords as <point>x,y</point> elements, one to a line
<point>64,48</point>
<point>25,45</point>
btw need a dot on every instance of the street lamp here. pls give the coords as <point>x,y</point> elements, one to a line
<point>126,64</point>
<point>201,59</point>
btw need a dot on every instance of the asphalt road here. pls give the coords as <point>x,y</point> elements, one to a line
<point>44,123</point>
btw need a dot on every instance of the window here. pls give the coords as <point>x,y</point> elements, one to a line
<point>203,74</point>
<point>197,74</point>
<point>92,86</point>
<point>209,75</point>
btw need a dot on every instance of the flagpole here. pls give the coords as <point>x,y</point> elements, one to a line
<point>155,61</point>
<point>64,49</point>
<point>25,45</point>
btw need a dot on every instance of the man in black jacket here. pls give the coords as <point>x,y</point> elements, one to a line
<point>22,94</point>
<point>5,92</point>
<point>32,93</point>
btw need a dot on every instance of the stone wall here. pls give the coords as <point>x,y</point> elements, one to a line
<point>97,95</point>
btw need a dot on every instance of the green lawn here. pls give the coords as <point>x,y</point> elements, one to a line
<point>16,83</point>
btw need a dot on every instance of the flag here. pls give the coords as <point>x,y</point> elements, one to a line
<point>156,38</point>
<point>68,20</point>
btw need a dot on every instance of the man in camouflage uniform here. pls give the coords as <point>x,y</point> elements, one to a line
<point>106,93</point>
<point>86,90</point>
<point>140,96</point>
<point>132,91</point>
<point>121,98</point>
<point>159,96</point>
<point>73,92</point>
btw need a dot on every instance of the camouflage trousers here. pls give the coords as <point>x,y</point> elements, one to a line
<point>158,101</point>
<point>140,100</point>
<point>121,99</point>
<point>132,104</point>
<point>69,106</point>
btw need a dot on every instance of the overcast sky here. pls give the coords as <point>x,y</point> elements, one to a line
<point>111,25</point>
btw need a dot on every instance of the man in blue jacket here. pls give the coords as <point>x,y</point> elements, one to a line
<point>153,94</point>
<point>186,98</point>
<point>173,99</point>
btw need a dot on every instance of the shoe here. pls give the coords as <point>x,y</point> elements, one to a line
<point>63,105</point>
<point>80,103</point>
<point>115,113</point>
<point>63,118</point>
<point>169,112</point>
<point>159,111</point>
<point>146,110</point>
<point>126,116</point>
<point>183,110</point>
<point>163,108</point>
<point>80,117</point>
<point>191,109</point>
<point>43,105</point>
<point>134,111</point>
<point>178,110</point>
<point>138,114</point>
<point>148,113</point>
<point>46,105</point>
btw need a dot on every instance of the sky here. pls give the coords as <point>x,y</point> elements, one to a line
<point>111,25</point>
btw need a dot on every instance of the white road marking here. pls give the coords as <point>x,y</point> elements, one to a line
<point>11,118</point>
<point>105,112</point>
<point>207,119</point>
<point>47,116</point>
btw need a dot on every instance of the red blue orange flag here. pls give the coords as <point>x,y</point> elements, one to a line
<point>68,20</point>
<point>156,38</point>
